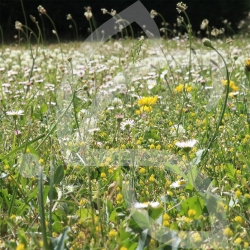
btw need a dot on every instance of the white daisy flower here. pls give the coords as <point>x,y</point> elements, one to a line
<point>15,113</point>
<point>177,184</point>
<point>151,83</point>
<point>186,144</point>
<point>127,124</point>
<point>140,205</point>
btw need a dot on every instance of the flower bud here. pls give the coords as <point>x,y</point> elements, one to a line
<point>206,42</point>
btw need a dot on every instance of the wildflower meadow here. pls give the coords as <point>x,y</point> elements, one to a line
<point>126,141</point>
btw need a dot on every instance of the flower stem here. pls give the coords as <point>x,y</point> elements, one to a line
<point>224,104</point>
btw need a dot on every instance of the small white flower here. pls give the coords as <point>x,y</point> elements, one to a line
<point>153,13</point>
<point>69,17</point>
<point>186,144</point>
<point>15,113</point>
<point>151,83</point>
<point>140,205</point>
<point>177,129</point>
<point>88,15</point>
<point>104,11</point>
<point>91,131</point>
<point>177,184</point>
<point>127,124</point>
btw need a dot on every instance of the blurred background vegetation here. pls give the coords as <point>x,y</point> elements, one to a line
<point>216,11</point>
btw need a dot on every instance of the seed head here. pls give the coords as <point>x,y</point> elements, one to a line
<point>33,19</point>
<point>69,17</point>
<point>180,20</point>
<point>41,9</point>
<point>215,32</point>
<point>204,24</point>
<point>18,25</point>
<point>181,7</point>
<point>113,12</point>
<point>88,13</point>
<point>104,11</point>
<point>206,42</point>
<point>153,13</point>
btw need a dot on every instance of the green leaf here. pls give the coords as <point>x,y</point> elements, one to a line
<point>124,235</point>
<point>59,174</point>
<point>191,176</point>
<point>113,216</point>
<point>5,196</point>
<point>139,221</point>
<point>53,195</point>
<point>176,169</point>
<point>57,226</point>
<point>230,171</point>
<point>44,108</point>
<point>195,203</point>
<point>21,147</point>
<point>83,213</point>
<point>155,212</point>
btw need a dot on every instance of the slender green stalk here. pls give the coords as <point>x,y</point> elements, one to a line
<point>1,31</point>
<point>44,36</point>
<point>13,197</point>
<point>123,22</point>
<point>90,186</point>
<point>189,30</point>
<point>55,32</point>
<point>25,19</point>
<point>224,104</point>
<point>77,37</point>
<point>94,24</point>
<point>51,184</point>
<point>91,30</point>
<point>32,54</point>
<point>41,209</point>
<point>55,124</point>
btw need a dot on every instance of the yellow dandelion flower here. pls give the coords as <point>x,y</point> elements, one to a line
<point>238,219</point>
<point>20,247</point>
<point>41,161</point>
<point>151,178</point>
<point>147,109</point>
<point>247,65</point>
<point>103,175</point>
<point>123,248</point>
<point>238,194</point>
<point>166,217</point>
<point>179,88</point>
<point>191,213</point>
<point>238,241</point>
<point>142,170</point>
<point>166,223</point>
<point>112,234</point>
<point>119,198</point>
<point>227,232</point>
<point>196,237</point>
